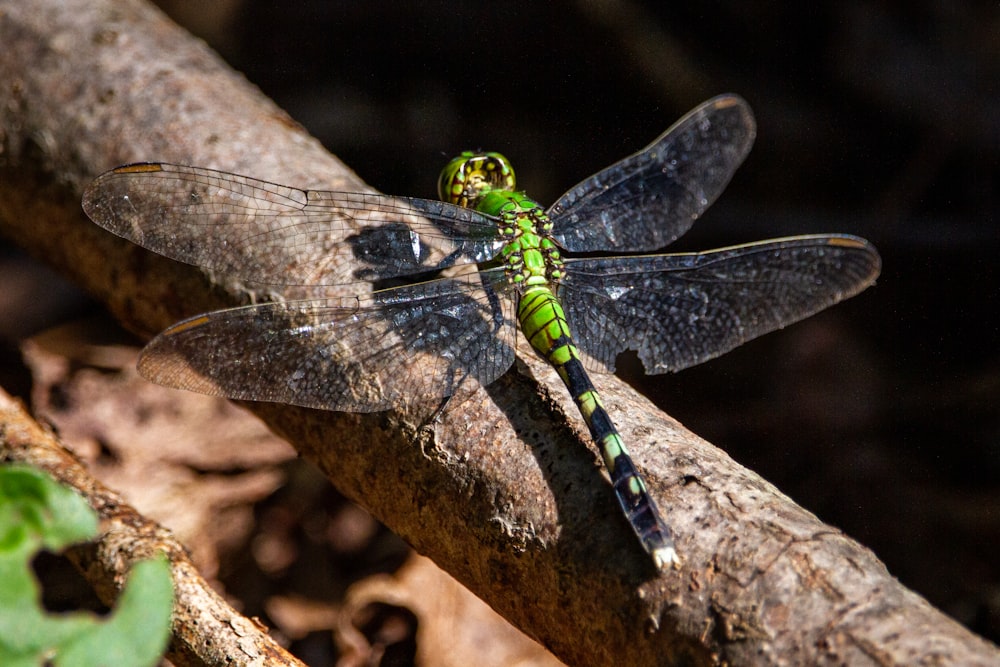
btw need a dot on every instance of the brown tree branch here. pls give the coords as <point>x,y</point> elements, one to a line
<point>502,491</point>
<point>127,537</point>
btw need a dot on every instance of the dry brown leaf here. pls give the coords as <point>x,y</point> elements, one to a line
<point>453,627</point>
<point>195,463</point>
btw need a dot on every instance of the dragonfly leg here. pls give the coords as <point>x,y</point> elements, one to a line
<point>435,416</point>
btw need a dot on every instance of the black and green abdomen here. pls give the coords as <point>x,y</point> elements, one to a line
<point>544,324</point>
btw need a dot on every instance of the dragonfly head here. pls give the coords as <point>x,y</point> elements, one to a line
<point>470,176</point>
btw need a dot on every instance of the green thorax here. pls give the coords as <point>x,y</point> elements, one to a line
<point>485,182</point>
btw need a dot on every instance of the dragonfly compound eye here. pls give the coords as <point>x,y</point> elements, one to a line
<point>469,176</point>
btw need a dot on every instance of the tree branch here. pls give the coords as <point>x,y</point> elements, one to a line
<point>502,491</point>
<point>126,538</point>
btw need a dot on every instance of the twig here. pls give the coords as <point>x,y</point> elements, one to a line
<point>206,630</point>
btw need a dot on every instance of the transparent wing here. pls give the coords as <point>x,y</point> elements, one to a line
<point>679,310</point>
<point>649,199</point>
<point>277,235</point>
<point>408,344</point>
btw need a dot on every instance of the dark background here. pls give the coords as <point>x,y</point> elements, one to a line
<point>879,119</point>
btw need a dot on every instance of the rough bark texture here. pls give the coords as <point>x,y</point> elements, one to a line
<point>504,491</point>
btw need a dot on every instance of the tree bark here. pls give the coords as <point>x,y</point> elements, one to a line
<point>501,491</point>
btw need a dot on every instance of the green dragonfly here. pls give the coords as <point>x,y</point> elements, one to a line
<point>449,331</point>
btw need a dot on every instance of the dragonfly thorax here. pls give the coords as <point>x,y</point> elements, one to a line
<point>531,256</point>
<point>470,176</point>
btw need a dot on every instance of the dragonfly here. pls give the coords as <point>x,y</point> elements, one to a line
<point>441,287</point>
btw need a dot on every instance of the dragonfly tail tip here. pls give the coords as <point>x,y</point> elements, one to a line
<point>665,557</point>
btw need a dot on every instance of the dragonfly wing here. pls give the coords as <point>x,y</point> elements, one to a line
<point>361,354</point>
<point>679,310</point>
<point>273,234</point>
<point>649,199</point>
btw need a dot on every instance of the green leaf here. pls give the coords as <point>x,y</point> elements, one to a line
<point>34,507</point>
<point>36,512</point>
<point>138,630</point>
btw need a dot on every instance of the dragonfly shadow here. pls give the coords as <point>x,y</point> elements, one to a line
<point>386,251</point>
<point>415,247</point>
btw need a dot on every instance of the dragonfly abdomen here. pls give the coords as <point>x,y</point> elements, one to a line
<point>544,324</point>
